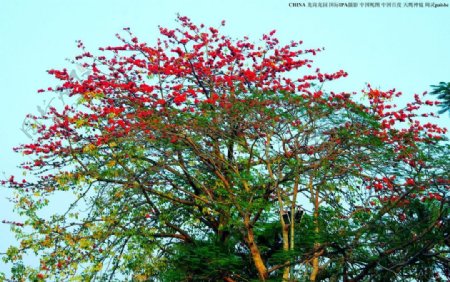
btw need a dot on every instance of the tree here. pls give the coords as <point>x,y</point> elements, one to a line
<point>443,93</point>
<point>202,158</point>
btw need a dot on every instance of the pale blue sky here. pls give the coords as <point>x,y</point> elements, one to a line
<point>407,48</point>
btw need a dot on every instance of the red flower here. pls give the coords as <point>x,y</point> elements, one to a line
<point>121,123</point>
<point>374,93</point>
<point>180,99</point>
<point>146,88</point>
<point>173,139</point>
<point>317,94</point>
<point>249,75</point>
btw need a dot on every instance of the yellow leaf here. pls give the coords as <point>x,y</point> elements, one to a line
<point>98,267</point>
<point>69,240</point>
<point>47,242</point>
<point>85,243</point>
<point>88,148</point>
<point>141,277</point>
<point>79,123</point>
<point>97,235</point>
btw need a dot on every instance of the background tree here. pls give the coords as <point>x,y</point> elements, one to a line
<point>204,158</point>
<point>443,93</point>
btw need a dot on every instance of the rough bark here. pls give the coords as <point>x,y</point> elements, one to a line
<point>255,253</point>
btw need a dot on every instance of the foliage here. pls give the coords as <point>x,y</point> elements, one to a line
<point>203,159</point>
<point>443,93</point>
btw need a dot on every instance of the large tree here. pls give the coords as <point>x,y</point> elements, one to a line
<point>204,158</point>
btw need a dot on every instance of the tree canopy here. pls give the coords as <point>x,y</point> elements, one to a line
<point>205,158</point>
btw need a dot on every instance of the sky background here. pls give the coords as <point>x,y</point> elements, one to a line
<point>403,48</point>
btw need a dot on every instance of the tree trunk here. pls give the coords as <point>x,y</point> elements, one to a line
<point>315,261</point>
<point>286,248</point>
<point>293,222</point>
<point>256,255</point>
